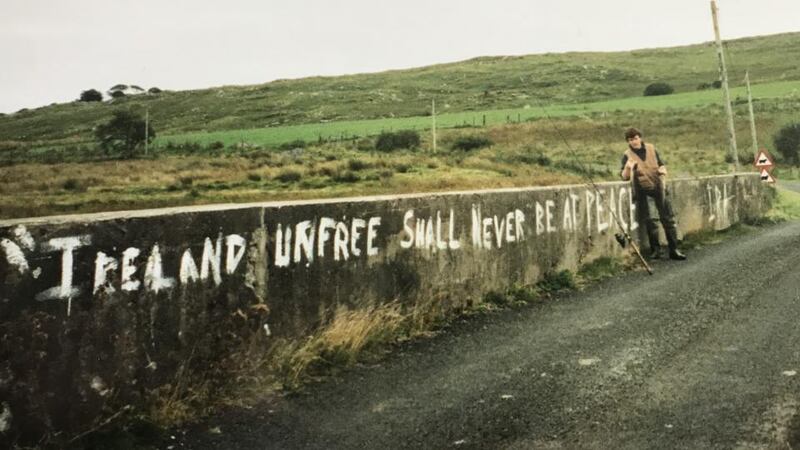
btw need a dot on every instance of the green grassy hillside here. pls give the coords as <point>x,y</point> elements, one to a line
<point>275,136</point>
<point>485,83</point>
<point>692,140</point>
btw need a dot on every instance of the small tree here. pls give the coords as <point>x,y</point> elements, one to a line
<point>91,95</point>
<point>117,94</point>
<point>124,134</point>
<point>658,89</point>
<point>388,141</point>
<point>787,143</point>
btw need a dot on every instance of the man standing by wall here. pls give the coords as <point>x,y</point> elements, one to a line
<point>642,163</point>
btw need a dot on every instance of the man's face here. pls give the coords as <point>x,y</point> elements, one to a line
<point>635,142</point>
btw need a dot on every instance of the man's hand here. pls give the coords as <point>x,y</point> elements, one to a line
<point>630,167</point>
<point>662,170</point>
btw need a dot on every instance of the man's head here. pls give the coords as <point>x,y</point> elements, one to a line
<point>634,138</point>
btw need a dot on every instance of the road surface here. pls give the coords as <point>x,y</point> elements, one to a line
<point>703,354</point>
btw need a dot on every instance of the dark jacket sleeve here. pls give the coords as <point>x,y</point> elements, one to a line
<point>658,159</point>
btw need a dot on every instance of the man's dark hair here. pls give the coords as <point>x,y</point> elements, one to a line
<point>632,132</point>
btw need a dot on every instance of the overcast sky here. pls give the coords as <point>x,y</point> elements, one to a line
<point>52,50</point>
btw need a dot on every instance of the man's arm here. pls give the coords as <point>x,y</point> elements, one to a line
<point>627,168</point>
<point>662,168</point>
<point>659,160</point>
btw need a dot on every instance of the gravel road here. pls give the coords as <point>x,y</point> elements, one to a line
<point>703,354</point>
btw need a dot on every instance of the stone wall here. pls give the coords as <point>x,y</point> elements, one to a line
<point>97,311</point>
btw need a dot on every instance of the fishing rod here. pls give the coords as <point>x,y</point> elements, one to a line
<point>623,237</point>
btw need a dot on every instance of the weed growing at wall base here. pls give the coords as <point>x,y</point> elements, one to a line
<point>551,283</point>
<point>346,335</point>
<point>601,268</point>
<point>349,335</point>
<point>557,281</point>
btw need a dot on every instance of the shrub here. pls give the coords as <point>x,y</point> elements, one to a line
<point>542,159</point>
<point>326,172</point>
<point>557,281</point>
<point>297,143</point>
<point>601,268</point>
<point>71,184</point>
<point>364,145</point>
<point>154,90</point>
<point>91,95</point>
<point>496,298</point>
<point>216,145</point>
<point>745,158</point>
<point>787,143</point>
<point>523,294</point>
<point>288,176</point>
<point>388,141</point>
<point>117,94</point>
<point>713,85</point>
<point>346,177</point>
<point>254,177</point>
<point>190,147</point>
<point>357,164</point>
<point>658,89</point>
<point>124,134</point>
<point>467,143</point>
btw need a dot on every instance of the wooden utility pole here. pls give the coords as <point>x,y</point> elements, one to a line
<point>433,114</point>
<point>752,116</point>
<point>727,95</point>
<point>146,129</point>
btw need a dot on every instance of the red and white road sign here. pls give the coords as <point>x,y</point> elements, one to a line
<point>763,160</point>
<point>766,176</point>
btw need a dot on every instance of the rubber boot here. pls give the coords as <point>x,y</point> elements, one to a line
<point>655,246</point>
<point>672,241</point>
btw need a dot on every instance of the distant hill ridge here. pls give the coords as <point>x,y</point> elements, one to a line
<point>481,83</point>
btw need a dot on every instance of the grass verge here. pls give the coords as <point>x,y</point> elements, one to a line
<point>785,207</point>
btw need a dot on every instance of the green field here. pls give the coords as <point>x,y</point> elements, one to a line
<point>274,136</point>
